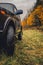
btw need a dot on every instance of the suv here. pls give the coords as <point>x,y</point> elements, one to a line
<point>10,27</point>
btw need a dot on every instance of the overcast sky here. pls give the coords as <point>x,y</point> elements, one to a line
<point>22,4</point>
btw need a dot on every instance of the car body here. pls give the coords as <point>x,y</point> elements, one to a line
<point>9,21</point>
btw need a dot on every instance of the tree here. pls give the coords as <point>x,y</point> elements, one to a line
<point>37,21</point>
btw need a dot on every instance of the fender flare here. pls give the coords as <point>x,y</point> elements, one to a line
<point>7,22</point>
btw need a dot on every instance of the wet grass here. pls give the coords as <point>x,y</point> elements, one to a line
<point>29,51</point>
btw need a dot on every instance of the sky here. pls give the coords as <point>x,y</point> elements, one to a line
<point>22,4</point>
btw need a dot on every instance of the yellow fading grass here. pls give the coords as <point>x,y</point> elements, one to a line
<point>29,51</point>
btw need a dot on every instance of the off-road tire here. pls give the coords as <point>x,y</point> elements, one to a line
<point>9,38</point>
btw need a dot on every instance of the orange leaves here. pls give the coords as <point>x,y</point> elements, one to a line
<point>38,11</point>
<point>29,20</point>
<point>23,23</point>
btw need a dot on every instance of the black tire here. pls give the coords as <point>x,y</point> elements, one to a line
<point>9,37</point>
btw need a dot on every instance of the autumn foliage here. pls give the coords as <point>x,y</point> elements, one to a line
<point>31,18</point>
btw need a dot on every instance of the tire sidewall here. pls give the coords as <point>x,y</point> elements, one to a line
<point>9,45</point>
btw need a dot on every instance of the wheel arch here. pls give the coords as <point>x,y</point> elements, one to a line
<point>9,22</point>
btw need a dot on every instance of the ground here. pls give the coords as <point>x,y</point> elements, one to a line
<point>29,51</point>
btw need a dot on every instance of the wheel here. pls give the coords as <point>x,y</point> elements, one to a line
<point>9,38</point>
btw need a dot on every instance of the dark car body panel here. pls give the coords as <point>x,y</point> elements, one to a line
<point>8,19</point>
<point>2,21</point>
<point>9,16</point>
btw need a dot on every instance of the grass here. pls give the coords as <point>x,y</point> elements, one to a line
<point>29,51</point>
